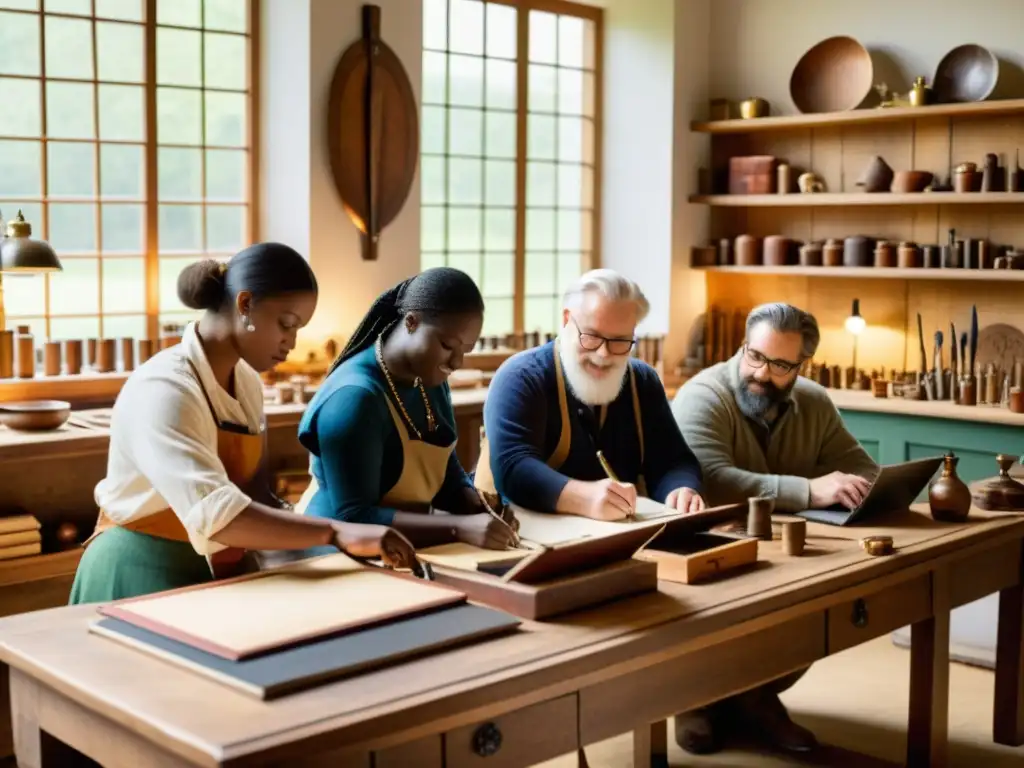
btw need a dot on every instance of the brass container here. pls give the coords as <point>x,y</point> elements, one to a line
<point>920,94</point>
<point>754,107</point>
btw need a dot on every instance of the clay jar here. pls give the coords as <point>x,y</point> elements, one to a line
<point>832,253</point>
<point>908,256</point>
<point>857,252</point>
<point>810,255</point>
<point>748,251</point>
<point>949,497</point>
<point>884,255</point>
<point>877,177</point>
<point>776,250</point>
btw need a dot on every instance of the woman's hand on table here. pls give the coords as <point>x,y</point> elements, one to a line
<point>684,500</point>
<point>362,540</point>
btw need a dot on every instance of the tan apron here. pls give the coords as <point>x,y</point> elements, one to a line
<point>424,467</point>
<point>241,453</point>
<point>484,478</point>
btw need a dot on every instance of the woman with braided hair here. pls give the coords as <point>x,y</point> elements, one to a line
<point>186,492</point>
<point>381,429</point>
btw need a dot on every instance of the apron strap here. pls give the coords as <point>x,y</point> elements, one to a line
<point>561,452</point>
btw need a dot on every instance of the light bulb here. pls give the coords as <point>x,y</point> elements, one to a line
<point>855,324</point>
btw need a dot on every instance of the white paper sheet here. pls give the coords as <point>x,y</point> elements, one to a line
<point>551,529</point>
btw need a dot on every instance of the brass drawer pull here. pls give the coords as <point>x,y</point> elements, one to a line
<point>487,740</point>
<point>860,614</point>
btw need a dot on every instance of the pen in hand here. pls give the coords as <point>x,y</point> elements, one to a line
<point>483,500</point>
<point>611,474</point>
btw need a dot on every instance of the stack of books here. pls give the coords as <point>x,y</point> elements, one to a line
<point>19,537</point>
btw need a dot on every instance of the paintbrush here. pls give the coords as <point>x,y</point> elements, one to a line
<point>974,338</point>
<point>954,386</point>
<point>940,373</point>
<point>923,378</point>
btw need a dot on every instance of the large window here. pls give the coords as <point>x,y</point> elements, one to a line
<point>125,140</point>
<point>510,125</point>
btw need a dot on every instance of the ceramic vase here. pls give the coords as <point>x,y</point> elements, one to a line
<point>948,496</point>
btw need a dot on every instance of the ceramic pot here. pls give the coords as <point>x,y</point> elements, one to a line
<point>949,497</point>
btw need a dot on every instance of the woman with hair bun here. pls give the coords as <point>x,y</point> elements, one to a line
<point>185,492</point>
<point>381,429</point>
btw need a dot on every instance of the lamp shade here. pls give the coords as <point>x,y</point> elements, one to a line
<point>20,253</point>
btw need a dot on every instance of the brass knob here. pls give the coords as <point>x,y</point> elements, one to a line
<point>487,740</point>
<point>860,614</point>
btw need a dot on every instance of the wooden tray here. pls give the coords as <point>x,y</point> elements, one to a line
<point>241,617</point>
<point>294,669</point>
<point>536,602</point>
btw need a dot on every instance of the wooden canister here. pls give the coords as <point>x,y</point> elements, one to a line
<point>90,352</point>
<point>784,181</point>
<point>968,391</point>
<point>106,359</point>
<point>794,536</point>
<point>776,251</point>
<point>880,388</point>
<point>127,354</point>
<point>748,251</point>
<point>26,352</point>
<point>832,253</point>
<point>885,255</point>
<point>145,350</point>
<point>51,358</point>
<point>6,354</point>
<point>908,256</point>
<point>759,517</point>
<point>1016,400</point>
<point>810,255</point>
<point>73,357</point>
<point>725,252</point>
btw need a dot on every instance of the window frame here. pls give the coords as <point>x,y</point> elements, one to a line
<point>591,13</point>
<point>91,388</point>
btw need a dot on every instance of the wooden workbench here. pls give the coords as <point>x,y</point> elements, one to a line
<point>551,687</point>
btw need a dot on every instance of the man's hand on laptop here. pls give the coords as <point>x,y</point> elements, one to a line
<point>838,488</point>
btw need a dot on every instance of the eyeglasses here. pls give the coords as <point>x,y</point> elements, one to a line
<point>592,342</point>
<point>779,367</point>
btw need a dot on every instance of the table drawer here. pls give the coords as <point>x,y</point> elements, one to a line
<point>876,613</point>
<point>525,737</point>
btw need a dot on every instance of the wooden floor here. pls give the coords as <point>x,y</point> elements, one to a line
<point>856,700</point>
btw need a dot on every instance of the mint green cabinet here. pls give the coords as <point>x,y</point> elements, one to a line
<point>890,439</point>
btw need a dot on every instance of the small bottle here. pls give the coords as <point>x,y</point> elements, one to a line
<point>26,357</point>
<point>784,179</point>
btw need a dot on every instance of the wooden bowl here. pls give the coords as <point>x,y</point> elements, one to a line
<point>833,76</point>
<point>35,415</point>
<point>911,181</point>
<point>967,73</point>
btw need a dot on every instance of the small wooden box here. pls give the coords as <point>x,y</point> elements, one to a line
<point>688,552</point>
<point>701,557</point>
<point>561,578</point>
<point>536,602</point>
<point>753,175</point>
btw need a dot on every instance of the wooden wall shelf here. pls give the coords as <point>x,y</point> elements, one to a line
<point>828,199</point>
<point>860,116</point>
<point>883,273</point>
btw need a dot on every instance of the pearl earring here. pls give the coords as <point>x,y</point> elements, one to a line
<point>248,324</point>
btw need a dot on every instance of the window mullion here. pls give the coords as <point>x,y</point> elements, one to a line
<point>152,211</point>
<point>522,96</point>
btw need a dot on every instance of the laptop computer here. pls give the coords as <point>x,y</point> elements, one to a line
<point>895,488</point>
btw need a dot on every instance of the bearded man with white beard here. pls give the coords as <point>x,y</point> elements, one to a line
<point>550,409</point>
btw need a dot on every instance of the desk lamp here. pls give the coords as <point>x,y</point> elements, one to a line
<point>855,324</point>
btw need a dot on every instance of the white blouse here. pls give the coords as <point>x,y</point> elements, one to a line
<point>163,443</point>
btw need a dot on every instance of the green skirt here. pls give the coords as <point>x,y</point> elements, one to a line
<point>120,563</point>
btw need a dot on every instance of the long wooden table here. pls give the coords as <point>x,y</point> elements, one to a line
<point>551,687</point>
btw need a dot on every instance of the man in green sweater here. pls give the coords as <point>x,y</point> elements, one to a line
<point>760,429</point>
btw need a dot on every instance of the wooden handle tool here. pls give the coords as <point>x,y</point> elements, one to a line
<point>940,369</point>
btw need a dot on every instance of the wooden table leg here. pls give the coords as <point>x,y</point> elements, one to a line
<point>650,746</point>
<point>928,725</point>
<point>1008,720</point>
<point>34,747</point>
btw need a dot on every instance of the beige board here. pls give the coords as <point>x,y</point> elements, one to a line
<point>467,557</point>
<point>273,609</point>
<point>550,529</point>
